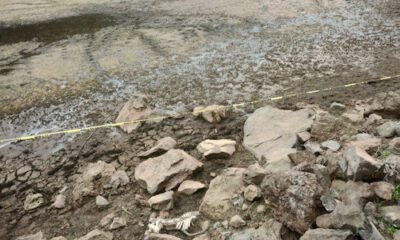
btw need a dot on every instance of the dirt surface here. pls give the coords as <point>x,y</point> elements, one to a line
<point>75,63</point>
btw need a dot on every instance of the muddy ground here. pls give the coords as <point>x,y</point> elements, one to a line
<point>72,64</point>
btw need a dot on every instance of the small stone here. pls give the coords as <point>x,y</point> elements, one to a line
<point>101,201</point>
<point>370,209</point>
<point>225,224</point>
<point>337,108</point>
<point>363,136</point>
<point>254,174</point>
<point>313,147</point>
<point>332,145</point>
<point>372,119</point>
<point>328,234</point>
<point>261,208</point>
<point>135,109</point>
<point>36,236</point>
<point>189,187</point>
<point>212,113</point>
<point>383,190</point>
<point>59,202</point>
<point>237,222</point>
<point>330,199</point>
<point>33,201</point>
<point>303,136</point>
<point>119,178</point>
<point>213,174</point>
<point>245,207</point>
<point>107,219</point>
<point>388,129</point>
<point>162,146</point>
<point>217,148</point>
<point>163,201</point>
<point>252,192</point>
<point>118,222</point>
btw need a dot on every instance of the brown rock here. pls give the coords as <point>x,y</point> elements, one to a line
<point>217,148</point>
<point>163,201</point>
<point>189,187</point>
<point>383,190</point>
<point>212,113</point>
<point>163,145</point>
<point>293,196</point>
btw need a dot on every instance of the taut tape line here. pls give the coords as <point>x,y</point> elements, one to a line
<point>108,125</point>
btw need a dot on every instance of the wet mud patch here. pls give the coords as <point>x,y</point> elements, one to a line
<point>56,29</point>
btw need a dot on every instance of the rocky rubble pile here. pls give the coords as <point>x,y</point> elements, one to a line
<point>316,174</point>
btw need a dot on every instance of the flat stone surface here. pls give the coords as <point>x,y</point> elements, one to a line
<point>270,133</point>
<point>166,171</point>
<point>217,202</point>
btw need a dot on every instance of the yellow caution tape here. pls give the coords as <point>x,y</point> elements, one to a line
<point>108,125</point>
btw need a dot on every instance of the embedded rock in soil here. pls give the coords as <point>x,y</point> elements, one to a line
<point>331,144</point>
<point>294,197</point>
<point>107,219</point>
<point>217,148</point>
<point>212,113</point>
<point>163,201</point>
<point>59,238</point>
<point>202,237</point>
<point>189,187</point>
<point>162,146</point>
<point>270,230</point>
<point>166,171</point>
<point>384,102</point>
<point>97,235</point>
<point>327,234</point>
<point>59,201</point>
<point>237,221</point>
<point>327,127</point>
<point>135,109</point>
<point>36,236</point>
<point>254,174</point>
<point>369,144</point>
<point>252,192</point>
<point>362,166</point>
<point>383,190</point>
<point>119,178</point>
<point>344,216</point>
<point>391,214</point>
<point>101,201</point>
<point>337,108</point>
<point>313,147</point>
<point>118,222</point>
<point>270,133</point>
<point>217,202</point>
<point>33,200</point>
<point>388,129</point>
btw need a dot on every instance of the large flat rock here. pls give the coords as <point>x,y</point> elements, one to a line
<point>166,171</point>
<point>270,133</point>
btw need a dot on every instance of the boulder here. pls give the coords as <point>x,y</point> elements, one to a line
<point>294,197</point>
<point>362,166</point>
<point>217,148</point>
<point>33,200</point>
<point>391,214</point>
<point>327,234</point>
<point>97,235</point>
<point>383,190</point>
<point>237,222</point>
<point>166,171</point>
<point>36,236</point>
<point>163,201</point>
<point>254,174</point>
<point>252,192</point>
<point>331,145</point>
<point>217,202</point>
<point>135,109</point>
<point>189,187</point>
<point>270,133</point>
<point>162,146</point>
<point>212,113</point>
